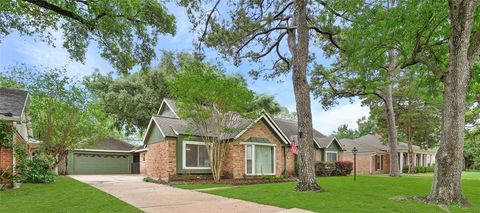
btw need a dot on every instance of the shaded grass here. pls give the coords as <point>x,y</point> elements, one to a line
<point>65,195</point>
<point>367,194</point>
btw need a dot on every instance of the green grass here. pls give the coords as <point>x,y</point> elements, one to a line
<point>368,194</point>
<point>200,186</point>
<point>65,195</point>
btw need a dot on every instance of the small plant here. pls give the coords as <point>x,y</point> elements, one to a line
<point>37,170</point>
<point>151,180</point>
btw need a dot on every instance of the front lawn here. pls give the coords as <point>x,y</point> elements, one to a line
<point>368,194</point>
<point>65,195</point>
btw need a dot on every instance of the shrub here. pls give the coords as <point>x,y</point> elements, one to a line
<point>37,170</point>
<point>342,168</point>
<point>324,169</point>
<point>405,169</point>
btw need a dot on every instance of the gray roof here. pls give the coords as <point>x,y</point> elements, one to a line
<point>172,127</point>
<point>373,143</point>
<point>112,144</point>
<point>12,102</point>
<point>290,128</point>
<point>172,104</point>
<point>365,144</point>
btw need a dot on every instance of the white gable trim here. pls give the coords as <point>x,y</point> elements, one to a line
<point>271,123</point>
<point>338,143</point>
<point>164,102</point>
<point>152,120</point>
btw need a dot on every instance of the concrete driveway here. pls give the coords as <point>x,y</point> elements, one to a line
<point>151,197</point>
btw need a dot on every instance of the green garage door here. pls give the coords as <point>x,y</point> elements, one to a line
<point>99,163</point>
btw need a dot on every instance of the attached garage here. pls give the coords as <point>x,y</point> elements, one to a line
<point>111,156</point>
<point>83,162</point>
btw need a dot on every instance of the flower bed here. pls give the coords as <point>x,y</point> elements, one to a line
<point>177,180</point>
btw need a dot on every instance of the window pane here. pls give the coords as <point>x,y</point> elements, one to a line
<point>331,156</point>
<point>263,159</point>
<point>203,156</point>
<point>249,159</point>
<point>249,166</point>
<point>191,155</point>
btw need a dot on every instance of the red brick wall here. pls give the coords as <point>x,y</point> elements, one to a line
<point>6,160</point>
<point>143,163</point>
<point>234,166</point>
<point>160,157</point>
<point>366,163</point>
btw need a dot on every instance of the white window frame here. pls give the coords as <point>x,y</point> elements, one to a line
<point>332,152</point>
<point>184,154</point>
<point>253,158</point>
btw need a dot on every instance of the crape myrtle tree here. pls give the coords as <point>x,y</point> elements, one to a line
<point>62,113</point>
<point>258,31</point>
<point>215,105</point>
<point>444,38</point>
<point>125,31</point>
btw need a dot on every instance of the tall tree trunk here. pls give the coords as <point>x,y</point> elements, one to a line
<point>390,114</point>
<point>446,186</point>
<point>299,49</point>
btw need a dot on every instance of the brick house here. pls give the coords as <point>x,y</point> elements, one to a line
<point>257,147</point>
<point>373,156</point>
<point>12,111</point>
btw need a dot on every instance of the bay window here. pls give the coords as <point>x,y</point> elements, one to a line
<point>260,159</point>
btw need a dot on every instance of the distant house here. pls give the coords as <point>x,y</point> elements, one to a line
<point>258,147</point>
<point>373,156</point>
<point>12,110</point>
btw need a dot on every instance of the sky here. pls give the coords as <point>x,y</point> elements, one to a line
<point>30,51</point>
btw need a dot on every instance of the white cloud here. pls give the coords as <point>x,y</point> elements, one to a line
<point>328,121</point>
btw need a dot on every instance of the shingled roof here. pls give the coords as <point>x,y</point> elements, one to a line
<point>112,143</point>
<point>12,102</point>
<point>374,144</point>
<point>290,128</point>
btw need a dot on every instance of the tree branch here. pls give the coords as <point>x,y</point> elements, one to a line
<point>329,36</point>
<point>208,21</point>
<point>277,42</point>
<point>66,13</point>
<point>259,34</point>
<point>283,10</point>
<point>325,5</point>
<point>474,49</point>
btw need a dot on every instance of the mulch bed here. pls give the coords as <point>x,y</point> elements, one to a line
<point>242,181</point>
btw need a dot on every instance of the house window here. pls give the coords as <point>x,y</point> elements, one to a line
<point>195,155</point>
<point>331,156</point>
<point>378,162</point>
<point>259,159</point>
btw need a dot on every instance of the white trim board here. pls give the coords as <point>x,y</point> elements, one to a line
<point>253,159</point>
<point>184,155</point>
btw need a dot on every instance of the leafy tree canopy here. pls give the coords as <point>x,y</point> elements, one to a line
<point>62,114</point>
<point>125,31</point>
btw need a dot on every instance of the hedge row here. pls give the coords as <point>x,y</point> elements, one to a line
<point>420,169</point>
<point>337,168</point>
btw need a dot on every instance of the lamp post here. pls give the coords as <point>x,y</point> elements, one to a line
<point>354,151</point>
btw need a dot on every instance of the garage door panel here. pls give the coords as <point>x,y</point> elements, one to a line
<point>101,164</point>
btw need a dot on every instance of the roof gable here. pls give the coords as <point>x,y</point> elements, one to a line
<point>12,103</point>
<point>168,108</point>
<point>270,123</point>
